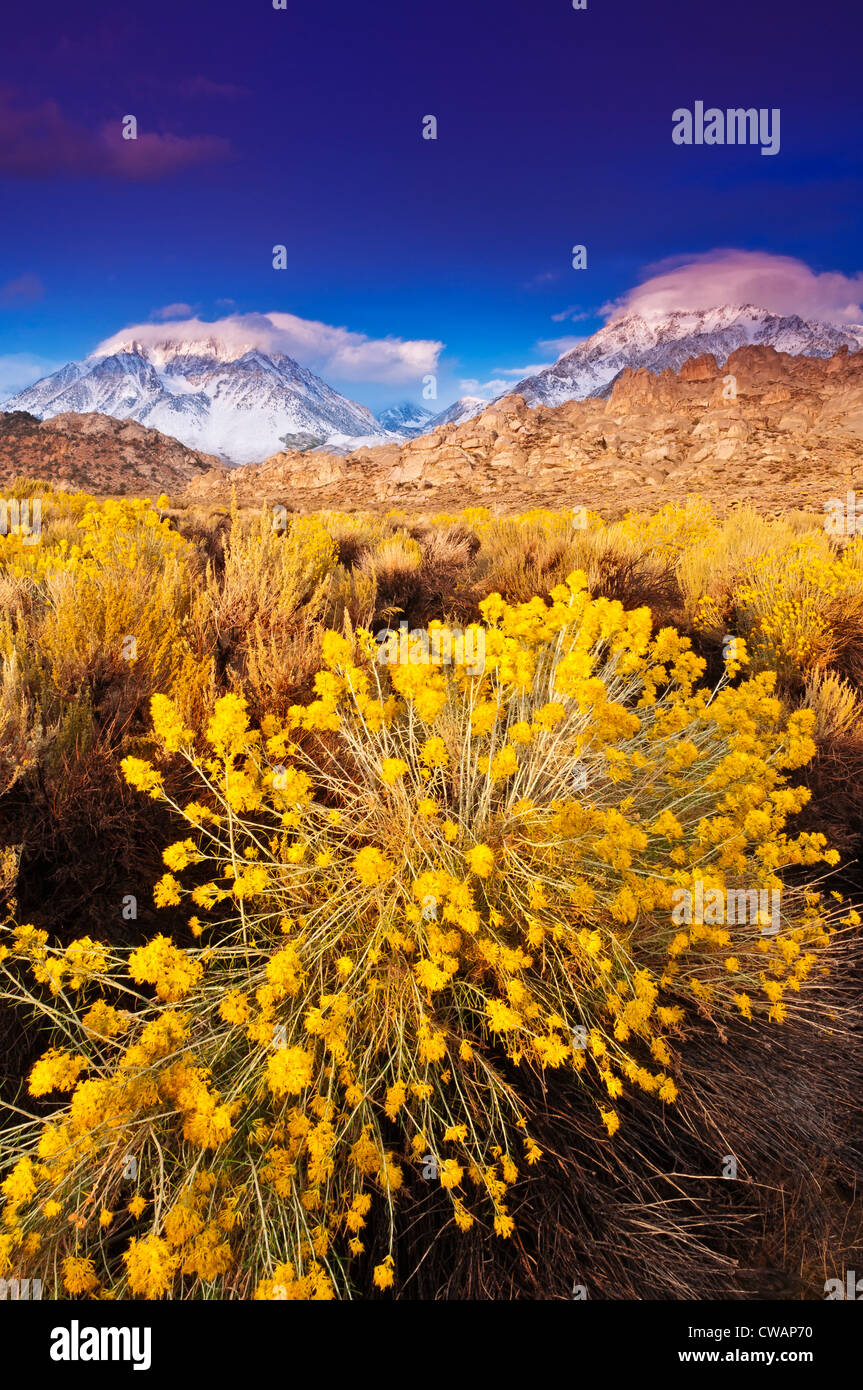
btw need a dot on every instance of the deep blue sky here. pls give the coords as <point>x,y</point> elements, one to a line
<point>304,129</point>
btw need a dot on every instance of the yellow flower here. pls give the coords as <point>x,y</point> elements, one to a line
<point>502,1019</point>
<point>166,892</point>
<point>142,775</point>
<point>392,769</point>
<point>481,860</point>
<point>450,1173</point>
<point>433,753</point>
<point>162,964</point>
<point>167,724</point>
<point>150,1265</point>
<point>550,715</point>
<point>503,764</point>
<point>383,1273</point>
<point>373,868</point>
<point>234,1008</point>
<point>79,1275</point>
<point>227,730</point>
<point>503,1225</point>
<point>57,1070</point>
<point>335,650</point>
<point>289,1070</point>
<point>483,718</point>
<point>744,1004</point>
<point>179,855</point>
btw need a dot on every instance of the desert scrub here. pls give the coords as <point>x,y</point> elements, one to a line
<point>406,894</point>
<point>124,574</point>
<point>799,606</point>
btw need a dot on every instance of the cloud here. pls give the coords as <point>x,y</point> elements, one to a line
<point>559,345</point>
<point>173,311</point>
<point>41,142</point>
<point>519,372</point>
<point>20,369</point>
<point>485,390</point>
<point>330,351</point>
<point>781,284</point>
<point>573,314</point>
<point>25,289</point>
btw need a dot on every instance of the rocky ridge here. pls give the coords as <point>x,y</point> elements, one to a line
<point>96,453</point>
<point>788,433</point>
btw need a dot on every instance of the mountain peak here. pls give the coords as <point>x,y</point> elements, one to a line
<point>659,340</point>
<point>168,350</point>
<point>230,399</point>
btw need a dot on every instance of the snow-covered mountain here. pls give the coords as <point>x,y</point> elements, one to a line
<point>405,420</point>
<point>658,341</point>
<point>236,402</point>
<point>463,409</point>
<point>243,404</point>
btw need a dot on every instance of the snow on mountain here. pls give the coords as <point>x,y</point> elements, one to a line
<point>660,341</point>
<point>236,402</point>
<point>243,404</point>
<point>405,420</point>
<point>465,408</point>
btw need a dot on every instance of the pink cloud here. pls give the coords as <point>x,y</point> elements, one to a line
<point>40,142</point>
<point>781,284</point>
<point>174,311</point>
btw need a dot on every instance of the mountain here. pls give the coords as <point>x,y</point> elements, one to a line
<point>405,420</point>
<point>242,404</point>
<point>97,454</point>
<point>465,408</point>
<point>661,341</point>
<point>238,403</point>
<point>791,437</point>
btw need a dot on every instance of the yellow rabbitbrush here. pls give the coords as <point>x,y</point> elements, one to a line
<point>420,885</point>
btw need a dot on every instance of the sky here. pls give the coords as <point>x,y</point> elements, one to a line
<point>302,127</point>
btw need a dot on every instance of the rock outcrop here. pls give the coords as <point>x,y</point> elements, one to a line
<point>95,453</point>
<point>767,427</point>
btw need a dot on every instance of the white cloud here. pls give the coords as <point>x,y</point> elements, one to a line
<point>333,352</point>
<point>780,284</point>
<point>559,345</point>
<point>20,369</point>
<point>519,372</point>
<point>485,390</point>
<point>499,385</point>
